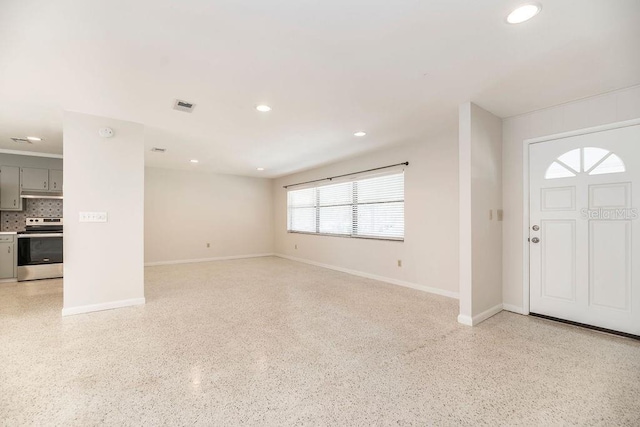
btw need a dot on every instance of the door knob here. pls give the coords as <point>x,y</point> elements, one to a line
<point>535,240</point>
<point>535,228</point>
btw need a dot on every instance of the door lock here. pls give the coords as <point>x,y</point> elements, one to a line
<point>535,240</point>
<point>535,228</point>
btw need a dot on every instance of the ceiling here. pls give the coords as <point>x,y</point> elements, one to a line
<point>397,69</point>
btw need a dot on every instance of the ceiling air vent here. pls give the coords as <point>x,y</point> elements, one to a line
<point>21,140</point>
<point>183,106</point>
<point>158,150</point>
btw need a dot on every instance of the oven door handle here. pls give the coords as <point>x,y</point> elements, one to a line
<point>26,236</point>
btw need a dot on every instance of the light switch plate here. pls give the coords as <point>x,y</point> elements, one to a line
<point>93,217</point>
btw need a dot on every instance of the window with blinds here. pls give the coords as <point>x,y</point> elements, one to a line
<point>368,207</point>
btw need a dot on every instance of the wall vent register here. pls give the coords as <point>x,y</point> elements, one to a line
<point>185,106</point>
<point>21,140</point>
<point>367,207</point>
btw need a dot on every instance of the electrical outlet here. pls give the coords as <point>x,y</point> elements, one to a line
<point>399,263</point>
<point>296,246</point>
<point>208,245</point>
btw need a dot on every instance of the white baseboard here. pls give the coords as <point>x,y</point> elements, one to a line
<point>70,311</point>
<point>466,320</point>
<point>191,261</point>
<point>487,314</point>
<point>431,290</point>
<point>514,309</point>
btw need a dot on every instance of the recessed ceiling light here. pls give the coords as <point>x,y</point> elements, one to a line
<point>263,108</point>
<point>260,169</point>
<point>193,161</point>
<point>523,13</point>
<point>360,133</point>
<point>34,138</point>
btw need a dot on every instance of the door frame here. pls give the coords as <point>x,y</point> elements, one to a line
<point>525,193</point>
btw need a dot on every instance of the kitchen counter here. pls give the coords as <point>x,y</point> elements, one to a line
<point>8,232</point>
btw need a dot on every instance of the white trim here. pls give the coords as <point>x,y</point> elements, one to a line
<point>11,280</point>
<point>525,226</point>
<point>466,320</point>
<point>193,261</point>
<point>574,101</point>
<point>514,309</point>
<point>525,193</point>
<point>442,292</point>
<point>465,253</point>
<point>487,314</point>
<point>31,153</point>
<point>70,311</point>
<point>584,131</point>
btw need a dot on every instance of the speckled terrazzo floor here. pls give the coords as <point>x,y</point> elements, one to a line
<point>273,342</point>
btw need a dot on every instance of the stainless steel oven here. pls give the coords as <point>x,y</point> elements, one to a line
<point>40,249</point>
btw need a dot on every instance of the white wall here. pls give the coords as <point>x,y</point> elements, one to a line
<point>185,210</point>
<point>429,253</point>
<point>465,263</point>
<point>103,262</point>
<point>607,108</point>
<point>480,142</point>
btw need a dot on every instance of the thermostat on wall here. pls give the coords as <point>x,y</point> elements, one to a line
<point>106,132</point>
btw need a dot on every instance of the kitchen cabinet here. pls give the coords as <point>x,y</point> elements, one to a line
<point>55,180</point>
<point>7,257</point>
<point>10,188</point>
<point>34,179</point>
<point>41,180</point>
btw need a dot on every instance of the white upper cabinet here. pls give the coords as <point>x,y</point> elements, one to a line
<point>55,181</point>
<point>34,179</point>
<point>10,188</point>
<point>41,180</point>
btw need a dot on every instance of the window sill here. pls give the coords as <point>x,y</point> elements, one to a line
<point>387,239</point>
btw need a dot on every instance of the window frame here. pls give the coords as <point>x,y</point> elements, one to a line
<point>354,209</point>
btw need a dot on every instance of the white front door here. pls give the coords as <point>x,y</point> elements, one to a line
<point>584,229</point>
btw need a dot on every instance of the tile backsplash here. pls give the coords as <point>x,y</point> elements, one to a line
<point>32,208</point>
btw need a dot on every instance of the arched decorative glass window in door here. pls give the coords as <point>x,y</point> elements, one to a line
<point>591,160</point>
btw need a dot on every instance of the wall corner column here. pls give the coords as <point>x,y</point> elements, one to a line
<point>103,261</point>
<point>480,169</point>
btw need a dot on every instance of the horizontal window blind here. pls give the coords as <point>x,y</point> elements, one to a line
<point>302,210</point>
<point>368,207</point>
